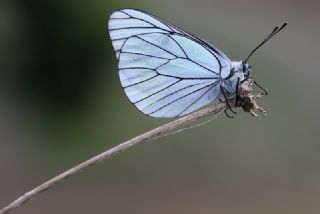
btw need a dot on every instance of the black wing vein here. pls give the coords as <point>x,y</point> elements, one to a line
<point>177,99</point>
<point>157,92</point>
<point>213,85</point>
<point>172,93</point>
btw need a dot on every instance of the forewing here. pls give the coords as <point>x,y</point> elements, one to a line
<point>164,71</point>
<point>126,23</point>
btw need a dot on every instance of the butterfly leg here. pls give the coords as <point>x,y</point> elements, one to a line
<point>228,104</point>
<point>244,80</point>
<point>263,89</point>
<point>226,110</point>
<point>237,91</point>
<point>226,113</point>
<point>226,100</point>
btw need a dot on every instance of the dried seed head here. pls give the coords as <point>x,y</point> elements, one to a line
<point>247,100</point>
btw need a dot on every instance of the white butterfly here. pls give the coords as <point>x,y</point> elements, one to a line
<point>168,72</point>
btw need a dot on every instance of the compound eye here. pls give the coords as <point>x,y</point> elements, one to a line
<point>244,67</point>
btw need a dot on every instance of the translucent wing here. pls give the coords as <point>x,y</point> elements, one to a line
<point>165,71</point>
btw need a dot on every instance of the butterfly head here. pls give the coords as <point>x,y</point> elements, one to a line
<point>240,70</point>
<point>246,69</point>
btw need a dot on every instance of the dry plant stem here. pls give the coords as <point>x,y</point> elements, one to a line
<point>114,151</point>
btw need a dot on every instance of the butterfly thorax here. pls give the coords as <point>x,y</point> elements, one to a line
<point>238,73</point>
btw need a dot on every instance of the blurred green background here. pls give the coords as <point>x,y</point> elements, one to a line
<point>61,103</point>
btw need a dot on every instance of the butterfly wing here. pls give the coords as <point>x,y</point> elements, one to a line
<point>165,72</point>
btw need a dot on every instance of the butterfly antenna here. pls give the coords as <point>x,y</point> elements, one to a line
<point>274,32</point>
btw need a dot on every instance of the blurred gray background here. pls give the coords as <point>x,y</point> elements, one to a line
<point>61,103</point>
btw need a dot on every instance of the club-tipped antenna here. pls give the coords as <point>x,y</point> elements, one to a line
<point>274,32</point>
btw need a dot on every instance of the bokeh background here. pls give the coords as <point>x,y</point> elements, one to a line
<point>61,103</point>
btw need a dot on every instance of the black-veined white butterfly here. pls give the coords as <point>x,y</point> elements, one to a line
<point>168,72</point>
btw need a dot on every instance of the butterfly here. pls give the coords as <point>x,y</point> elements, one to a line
<point>168,72</point>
